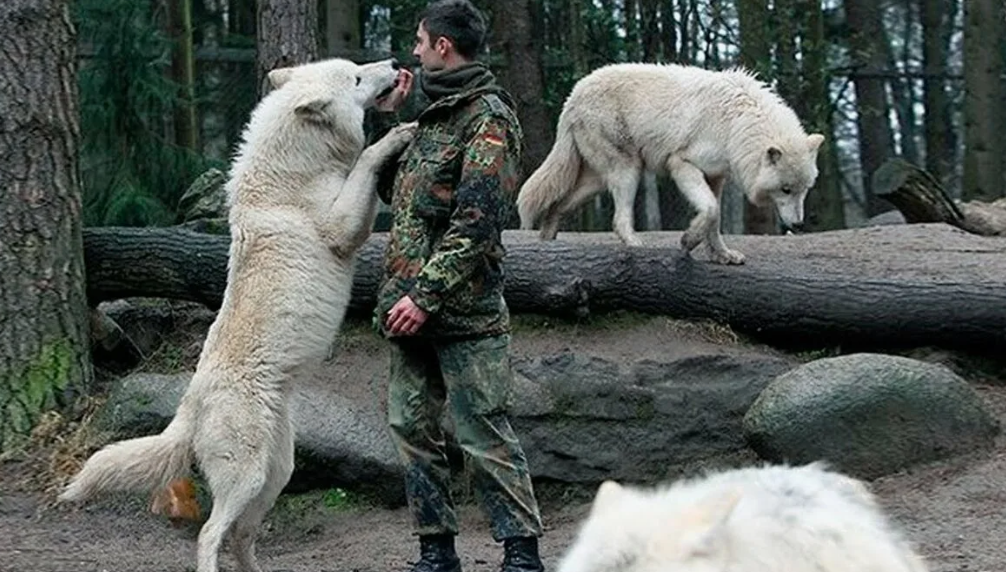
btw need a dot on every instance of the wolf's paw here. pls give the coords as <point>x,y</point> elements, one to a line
<point>632,240</point>
<point>728,256</point>
<point>401,135</point>
<point>690,240</point>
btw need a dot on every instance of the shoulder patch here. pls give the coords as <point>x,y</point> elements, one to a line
<point>496,104</point>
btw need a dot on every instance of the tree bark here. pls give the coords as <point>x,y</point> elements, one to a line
<point>824,207</point>
<point>872,122</point>
<point>342,26</point>
<point>756,55</point>
<point>916,193</point>
<point>939,152</point>
<point>522,76</point>
<point>920,198</point>
<point>287,36</point>
<point>44,360</point>
<point>983,100</point>
<point>183,71</point>
<point>811,290</point>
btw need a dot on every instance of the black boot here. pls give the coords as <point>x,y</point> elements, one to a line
<point>436,554</point>
<point>521,555</point>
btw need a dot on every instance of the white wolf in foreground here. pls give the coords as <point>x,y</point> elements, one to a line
<point>765,519</point>
<point>302,200</point>
<point>699,126</point>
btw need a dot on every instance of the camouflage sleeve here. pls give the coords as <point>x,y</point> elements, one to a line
<point>488,178</point>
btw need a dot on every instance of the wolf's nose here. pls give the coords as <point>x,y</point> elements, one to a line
<point>395,64</point>
<point>795,228</point>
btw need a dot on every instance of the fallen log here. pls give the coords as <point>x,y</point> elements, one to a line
<point>920,198</point>
<point>889,286</point>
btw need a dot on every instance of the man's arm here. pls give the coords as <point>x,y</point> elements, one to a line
<point>487,173</point>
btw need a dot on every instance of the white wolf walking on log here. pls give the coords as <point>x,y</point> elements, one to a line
<point>758,519</point>
<point>302,200</point>
<point>698,126</point>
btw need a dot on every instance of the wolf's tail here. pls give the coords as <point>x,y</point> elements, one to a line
<point>145,463</point>
<point>553,180</point>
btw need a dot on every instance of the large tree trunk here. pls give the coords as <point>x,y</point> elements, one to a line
<point>824,207</point>
<point>342,27</point>
<point>183,71</point>
<point>522,75</point>
<point>872,287</point>
<point>44,360</point>
<point>872,122</point>
<point>983,100</point>
<point>756,55</point>
<point>902,93</point>
<point>939,151</point>
<point>287,36</point>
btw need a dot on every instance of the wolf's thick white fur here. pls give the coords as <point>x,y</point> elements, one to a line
<point>302,200</point>
<point>758,519</point>
<point>697,125</point>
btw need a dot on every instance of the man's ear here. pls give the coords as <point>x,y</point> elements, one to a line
<point>443,45</point>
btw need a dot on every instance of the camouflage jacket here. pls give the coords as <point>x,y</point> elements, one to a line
<point>453,193</point>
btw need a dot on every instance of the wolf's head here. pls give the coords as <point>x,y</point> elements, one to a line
<point>785,175</point>
<point>634,530</point>
<point>322,90</point>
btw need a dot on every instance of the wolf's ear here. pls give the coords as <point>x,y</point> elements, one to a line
<point>313,110</point>
<point>773,155</point>
<point>608,494</point>
<point>712,539</point>
<point>279,76</point>
<point>814,141</point>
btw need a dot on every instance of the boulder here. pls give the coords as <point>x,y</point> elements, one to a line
<point>868,415</point>
<point>581,417</point>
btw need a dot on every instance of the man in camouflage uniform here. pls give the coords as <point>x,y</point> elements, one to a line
<point>441,300</point>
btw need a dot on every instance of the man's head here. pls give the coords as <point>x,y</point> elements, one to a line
<point>450,33</point>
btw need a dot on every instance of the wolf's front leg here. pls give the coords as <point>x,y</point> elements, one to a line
<point>351,217</point>
<point>718,250</point>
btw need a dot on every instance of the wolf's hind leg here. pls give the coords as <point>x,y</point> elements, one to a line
<point>233,491</point>
<point>588,184</point>
<point>246,528</point>
<point>623,182</point>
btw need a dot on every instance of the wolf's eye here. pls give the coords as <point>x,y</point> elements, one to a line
<point>786,190</point>
<point>357,80</point>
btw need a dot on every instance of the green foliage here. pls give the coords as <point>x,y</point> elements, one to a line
<point>132,174</point>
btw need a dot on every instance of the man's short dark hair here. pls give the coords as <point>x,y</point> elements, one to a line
<point>457,20</point>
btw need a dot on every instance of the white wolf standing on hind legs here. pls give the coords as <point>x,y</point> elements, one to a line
<point>302,200</point>
<point>757,519</point>
<point>699,126</point>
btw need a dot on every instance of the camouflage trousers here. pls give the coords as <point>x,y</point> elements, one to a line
<point>473,378</point>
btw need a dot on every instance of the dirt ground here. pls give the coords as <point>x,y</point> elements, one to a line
<point>952,510</point>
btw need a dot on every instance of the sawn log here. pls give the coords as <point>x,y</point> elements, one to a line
<point>886,286</point>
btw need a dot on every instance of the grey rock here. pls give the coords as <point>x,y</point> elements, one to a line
<point>868,414</point>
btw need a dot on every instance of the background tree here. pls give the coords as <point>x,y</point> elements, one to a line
<point>756,55</point>
<point>44,359</point>
<point>867,52</point>
<point>515,40</point>
<point>983,99</point>
<point>287,36</point>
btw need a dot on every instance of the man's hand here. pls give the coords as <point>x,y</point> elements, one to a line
<point>394,100</point>
<point>405,318</point>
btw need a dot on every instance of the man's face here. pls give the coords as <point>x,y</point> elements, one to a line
<point>430,54</point>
